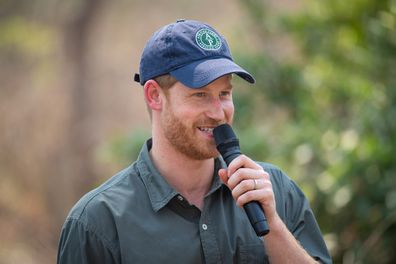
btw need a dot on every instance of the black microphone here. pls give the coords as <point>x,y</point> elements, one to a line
<point>228,145</point>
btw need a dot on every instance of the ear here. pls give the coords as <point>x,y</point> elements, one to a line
<point>153,95</point>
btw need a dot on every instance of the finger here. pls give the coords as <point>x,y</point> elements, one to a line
<point>242,161</point>
<point>243,187</point>
<point>257,190</point>
<point>245,174</point>
<point>263,196</point>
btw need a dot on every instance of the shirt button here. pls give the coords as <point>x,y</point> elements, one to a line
<point>204,226</point>
<point>180,198</point>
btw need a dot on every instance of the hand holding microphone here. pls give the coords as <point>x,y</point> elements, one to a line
<point>228,146</point>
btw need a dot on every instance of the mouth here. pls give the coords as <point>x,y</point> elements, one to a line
<point>207,130</point>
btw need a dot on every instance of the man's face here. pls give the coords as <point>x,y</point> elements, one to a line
<point>189,116</point>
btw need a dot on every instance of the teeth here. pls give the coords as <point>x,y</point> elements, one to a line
<point>206,129</point>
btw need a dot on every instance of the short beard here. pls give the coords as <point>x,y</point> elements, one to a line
<point>177,134</point>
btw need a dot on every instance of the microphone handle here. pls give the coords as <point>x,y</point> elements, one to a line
<point>253,209</point>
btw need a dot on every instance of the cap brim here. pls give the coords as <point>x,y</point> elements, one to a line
<point>201,73</point>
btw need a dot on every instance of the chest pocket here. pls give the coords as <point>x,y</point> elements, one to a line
<point>251,253</point>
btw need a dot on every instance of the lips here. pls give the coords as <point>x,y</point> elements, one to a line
<point>207,130</point>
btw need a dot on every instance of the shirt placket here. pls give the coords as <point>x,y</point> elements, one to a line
<point>210,246</point>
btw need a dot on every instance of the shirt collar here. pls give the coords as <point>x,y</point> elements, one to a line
<point>158,189</point>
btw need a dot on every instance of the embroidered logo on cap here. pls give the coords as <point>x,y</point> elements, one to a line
<point>207,39</point>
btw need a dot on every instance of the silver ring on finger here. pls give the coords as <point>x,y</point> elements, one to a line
<point>255,184</point>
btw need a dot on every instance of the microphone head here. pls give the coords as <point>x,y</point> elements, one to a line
<point>223,133</point>
<point>226,142</point>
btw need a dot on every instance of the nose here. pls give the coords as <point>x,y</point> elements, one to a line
<point>216,110</point>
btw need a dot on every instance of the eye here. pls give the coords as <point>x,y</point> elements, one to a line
<point>225,94</point>
<point>200,94</point>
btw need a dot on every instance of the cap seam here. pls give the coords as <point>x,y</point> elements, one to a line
<point>170,42</point>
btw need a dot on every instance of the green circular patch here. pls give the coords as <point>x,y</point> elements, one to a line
<point>207,39</point>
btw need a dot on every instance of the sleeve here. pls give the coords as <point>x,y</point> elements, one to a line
<point>80,244</point>
<point>301,222</point>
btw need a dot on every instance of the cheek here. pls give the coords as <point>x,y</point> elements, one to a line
<point>184,114</point>
<point>229,110</point>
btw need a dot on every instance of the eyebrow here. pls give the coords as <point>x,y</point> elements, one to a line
<point>228,87</point>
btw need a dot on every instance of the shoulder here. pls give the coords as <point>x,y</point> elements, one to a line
<point>294,209</point>
<point>97,198</point>
<point>92,220</point>
<point>98,209</point>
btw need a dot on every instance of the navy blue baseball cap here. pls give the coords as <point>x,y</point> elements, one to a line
<point>192,52</point>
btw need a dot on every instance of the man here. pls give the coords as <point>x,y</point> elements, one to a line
<point>179,203</point>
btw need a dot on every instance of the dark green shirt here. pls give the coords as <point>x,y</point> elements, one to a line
<point>137,217</point>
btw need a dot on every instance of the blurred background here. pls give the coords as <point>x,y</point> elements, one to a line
<point>71,115</point>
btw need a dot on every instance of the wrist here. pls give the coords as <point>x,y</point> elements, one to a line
<point>276,224</point>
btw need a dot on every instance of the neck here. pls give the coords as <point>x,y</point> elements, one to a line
<point>190,177</point>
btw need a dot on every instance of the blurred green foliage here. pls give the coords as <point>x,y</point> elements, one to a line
<point>22,39</point>
<point>121,150</point>
<point>326,117</point>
